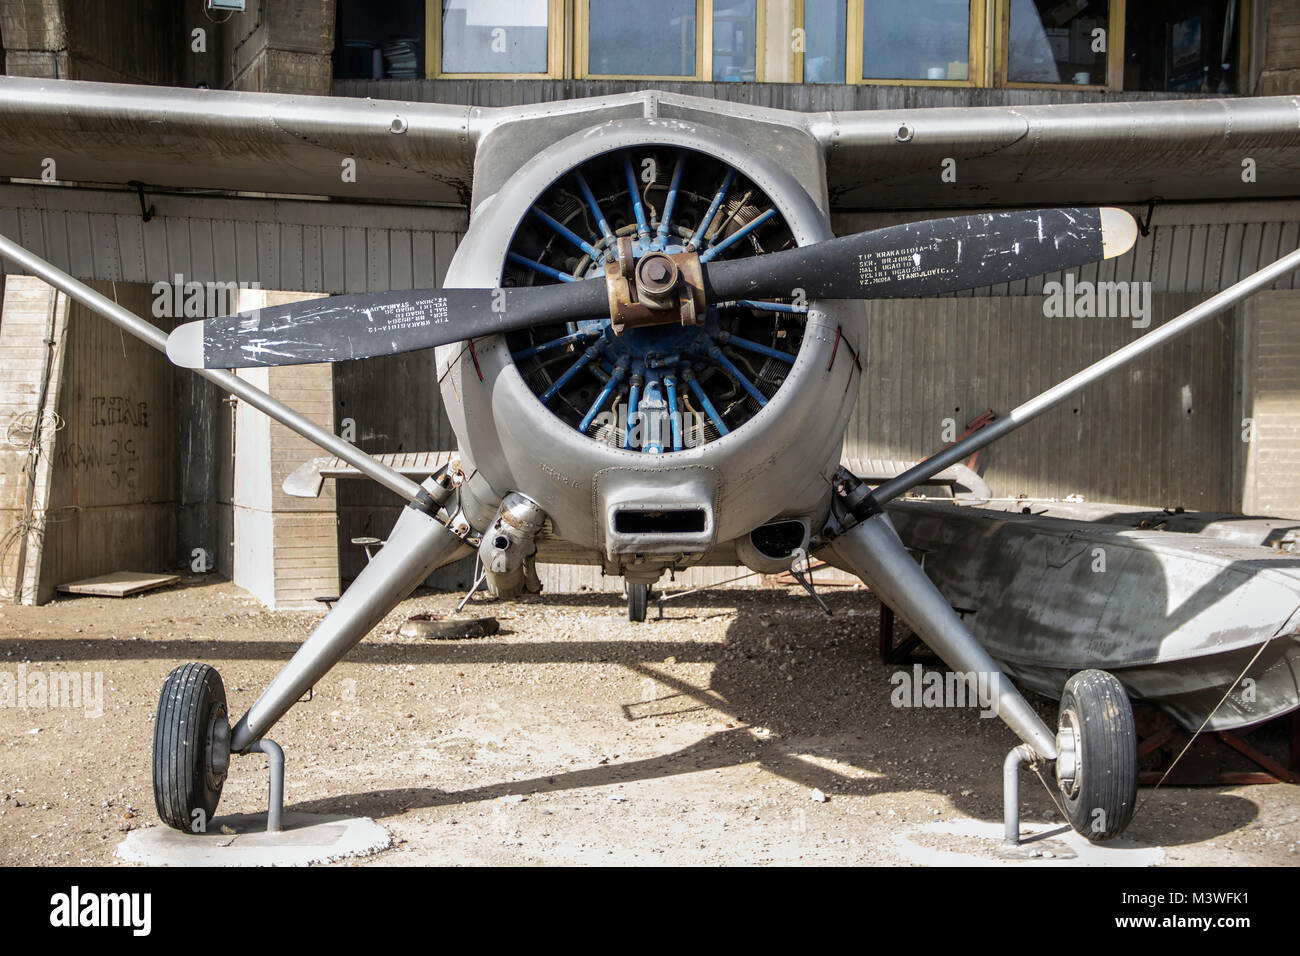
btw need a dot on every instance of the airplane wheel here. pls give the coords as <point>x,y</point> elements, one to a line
<point>638,596</point>
<point>1097,770</point>
<point>191,747</point>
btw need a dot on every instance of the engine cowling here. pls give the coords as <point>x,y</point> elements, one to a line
<point>582,420</point>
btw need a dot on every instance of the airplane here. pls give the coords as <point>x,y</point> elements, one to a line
<point>647,341</point>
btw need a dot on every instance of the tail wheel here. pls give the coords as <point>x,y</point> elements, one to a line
<point>1097,769</point>
<point>191,747</point>
<point>638,597</point>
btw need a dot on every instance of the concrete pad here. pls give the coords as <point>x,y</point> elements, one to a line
<point>979,843</point>
<point>242,840</point>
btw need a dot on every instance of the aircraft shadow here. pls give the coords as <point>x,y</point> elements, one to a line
<point>834,709</point>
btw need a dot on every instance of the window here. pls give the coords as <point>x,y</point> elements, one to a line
<point>1190,47</point>
<point>825,26</point>
<point>1054,42</point>
<point>655,39</point>
<point>716,40</point>
<point>917,40</point>
<point>938,42</point>
<point>735,41</point>
<point>378,39</point>
<point>510,38</point>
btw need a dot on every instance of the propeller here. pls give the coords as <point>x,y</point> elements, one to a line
<point>912,259</point>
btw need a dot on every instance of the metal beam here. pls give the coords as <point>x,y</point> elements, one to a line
<point>152,335</point>
<point>1026,412</point>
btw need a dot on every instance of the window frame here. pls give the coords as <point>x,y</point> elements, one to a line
<point>557,29</point>
<point>799,21</point>
<point>977,45</point>
<point>1115,53</point>
<point>704,10</point>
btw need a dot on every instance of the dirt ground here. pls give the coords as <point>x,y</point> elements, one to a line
<point>744,727</point>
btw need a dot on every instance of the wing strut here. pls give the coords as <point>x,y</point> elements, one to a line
<point>152,335</point>
<point>1026,412</point>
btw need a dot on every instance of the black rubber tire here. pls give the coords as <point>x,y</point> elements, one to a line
<point>1106,795</point>
<point>182,783</point>
<point>638,597</point>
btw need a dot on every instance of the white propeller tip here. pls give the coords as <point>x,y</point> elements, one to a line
<point>1119,231</point>
<point>185,345</point>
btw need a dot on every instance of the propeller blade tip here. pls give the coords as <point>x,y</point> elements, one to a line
<point>185,345</point>
<point>1119,231</point>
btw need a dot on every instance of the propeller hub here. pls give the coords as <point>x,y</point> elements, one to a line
<point>659,288</point>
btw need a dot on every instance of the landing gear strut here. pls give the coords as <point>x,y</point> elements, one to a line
<point>1096,746</point>
<point>193,737</point>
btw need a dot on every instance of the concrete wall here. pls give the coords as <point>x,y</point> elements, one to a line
<point>114,489</point>
<point>114,41</point>
<point>1280,67</point>
<point>98,492</point>
<point>1271,400</point>
<point>285,549</point>
<point>279,47</point>
<point>274,46</point>
<point>33,324</point>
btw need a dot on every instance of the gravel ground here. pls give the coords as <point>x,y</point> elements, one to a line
<point>745,727</point>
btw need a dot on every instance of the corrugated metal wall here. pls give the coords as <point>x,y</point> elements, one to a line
<point>1160,433</point>
<point>289,244</point>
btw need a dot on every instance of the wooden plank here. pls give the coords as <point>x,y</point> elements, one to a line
<point>119,583</point>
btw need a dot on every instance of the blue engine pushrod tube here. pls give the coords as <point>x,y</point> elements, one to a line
<point>713,208</point>
<point>594,206</point>
<point>715,353</point>
<point>711,252</point>
<point>574,369</point>
<point>566,233</point>
<point>768,306</point>
<point>704,400</point>
<point>675,415</point>
<point>666,220</point>
<point>540,267</point>
<point>617,376</point>
<point>633,396</point>
<point>757,348</point>
<point>634,191</point>
<point>562,341</point>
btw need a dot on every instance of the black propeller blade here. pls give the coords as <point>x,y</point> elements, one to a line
<point>930,257</point>
<point>912,259</point>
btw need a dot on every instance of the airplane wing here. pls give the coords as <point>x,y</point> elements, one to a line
<point>1115,152</point>
<point>109,133</point>
<point>1085,153</point>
